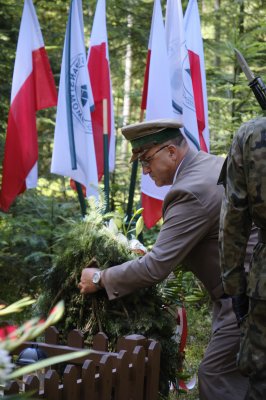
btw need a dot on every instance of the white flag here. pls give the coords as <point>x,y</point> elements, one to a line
<point>159,105</point>
<point>73,153</point>
<point>181,83</point>
<point>197,68</point>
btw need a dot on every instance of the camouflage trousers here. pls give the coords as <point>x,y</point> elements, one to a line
<point>252,353</point>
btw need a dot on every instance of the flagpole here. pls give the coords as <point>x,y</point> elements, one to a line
<point>106,155</point>
<point>81,198</point>
<point>132,186</point>
<point>133,178</point>
<point>70,118</point>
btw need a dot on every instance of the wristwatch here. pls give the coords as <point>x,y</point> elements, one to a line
<point>96,279</point>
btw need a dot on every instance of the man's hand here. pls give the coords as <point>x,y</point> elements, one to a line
<point>86,285</point>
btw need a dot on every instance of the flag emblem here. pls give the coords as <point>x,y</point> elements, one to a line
<point>84,95</point>
<point>79,92</point>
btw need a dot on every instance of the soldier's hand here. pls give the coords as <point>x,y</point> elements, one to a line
<point>240,306</point>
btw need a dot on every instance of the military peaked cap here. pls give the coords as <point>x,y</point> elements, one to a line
<point>144,135</point>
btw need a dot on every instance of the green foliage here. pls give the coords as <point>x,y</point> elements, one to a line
<point>199,331</point>
<point>90,242</point>
<point>182,287</point>
<point>227,25</point>
<point>26,239</point>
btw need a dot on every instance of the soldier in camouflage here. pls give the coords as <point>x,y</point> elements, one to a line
<point>244,204</point>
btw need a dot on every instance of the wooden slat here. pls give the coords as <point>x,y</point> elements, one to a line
<point>138,372</point>
<point>11,388</point>
<point>51,335</point>
<point>51,386</point>
<point>122,376</point>
<point>88,381</point>
<point>32,384</point>
<point>129,342</point>
<point>75,338</point>
<point>105,373</point>
<point>71,390</point>
<point>153,371</point>
<point>100,342</point>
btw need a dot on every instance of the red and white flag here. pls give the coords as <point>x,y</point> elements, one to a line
<point>157,99</point>
<point>33,88</point>
<point>99,70</point>
<point>181,83</point>
<point>196,57</point>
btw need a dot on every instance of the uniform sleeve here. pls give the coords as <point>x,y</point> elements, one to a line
<point>235,221</point>
<point>185,223</point>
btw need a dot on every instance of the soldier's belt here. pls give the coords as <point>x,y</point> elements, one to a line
<point>262,235</point>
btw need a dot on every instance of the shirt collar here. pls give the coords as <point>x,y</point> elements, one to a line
<point>176,172</point>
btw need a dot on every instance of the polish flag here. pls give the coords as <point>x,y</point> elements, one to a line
<point>33,89</point>
<point>157,99</point>
<point>181,82</point>
<point>99,70</point>
<point>197,68</point>
<point>73,152</point>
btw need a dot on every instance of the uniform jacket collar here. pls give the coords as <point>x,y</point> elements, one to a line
<point>191,154</point>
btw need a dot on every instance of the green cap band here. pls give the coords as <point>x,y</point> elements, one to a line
<point>155,138</point>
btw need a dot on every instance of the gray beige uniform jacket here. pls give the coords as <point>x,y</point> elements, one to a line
<point>188,236</point>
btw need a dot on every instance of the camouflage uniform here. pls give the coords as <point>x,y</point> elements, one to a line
<point>244,204</point>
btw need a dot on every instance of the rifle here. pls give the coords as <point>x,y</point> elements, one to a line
<point>255,82</point>
<point>258,88</point>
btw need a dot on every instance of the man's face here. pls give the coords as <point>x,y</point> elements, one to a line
<point>158,164</point>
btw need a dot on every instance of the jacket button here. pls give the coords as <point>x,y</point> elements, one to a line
<point>115,293</point>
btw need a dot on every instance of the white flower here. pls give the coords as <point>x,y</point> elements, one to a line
<point>121,238</point>
<point>112,226</point>
<point>5,366</point>
<point>137,247</point>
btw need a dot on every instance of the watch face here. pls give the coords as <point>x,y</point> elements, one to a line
<point>96,278</point>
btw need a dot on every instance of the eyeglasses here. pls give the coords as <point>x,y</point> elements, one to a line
<point>146,162</point>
